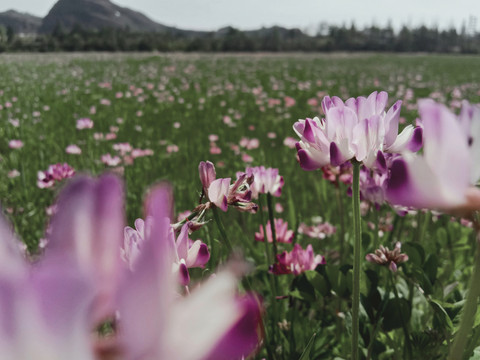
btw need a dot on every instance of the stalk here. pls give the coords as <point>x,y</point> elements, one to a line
<point>221,228</point>
<point>272,224</point>
<point>468,316</point>
<point>356,259</point>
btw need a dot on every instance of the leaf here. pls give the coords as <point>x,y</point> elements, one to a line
<point>430,267</point>
<point>441,317</point>
<point>397,312</point>
<point>306,352</point>
<point>415,252</point>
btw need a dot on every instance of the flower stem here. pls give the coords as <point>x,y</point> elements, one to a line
<point>272,224</point>
<point>468,316</point>
<point>356,258</point>
<point>221,228</point>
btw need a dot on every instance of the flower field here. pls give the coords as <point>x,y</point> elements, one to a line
<point>301,224</point>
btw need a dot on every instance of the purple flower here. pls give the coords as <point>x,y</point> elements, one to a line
<point>445,175</point>
<point>54,173</point>
<point>265,180</point>
<point>386,257</point>
<point>297,261</point>
<point>357,129</point>
<point>214,320</point>
<point>281,230</point>
<point>15,144</point>
<point>84,123</point>
<point>221,194</point>
<point>188,253</point>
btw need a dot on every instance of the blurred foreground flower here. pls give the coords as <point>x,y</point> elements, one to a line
<point>444,177</point>
<point>51,310</point>
<point>188,253</point>
<point>386,257</point>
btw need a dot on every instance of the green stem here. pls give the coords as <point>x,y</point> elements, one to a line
<point>272,224</point>
<point>375,235</point>
<point>468,316</point>
<point>356,259</point>
<point>341,234</point>
<point>221,228</point>
<point>408,345</point>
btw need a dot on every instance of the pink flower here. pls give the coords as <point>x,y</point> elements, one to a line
<point>110,160</point>
<point>444,177</point>
<point>221,194</point>
<point>249,144</point>
<point>84,123</point>
<point>281,231</point>
<point>188,254</point>
<point>265,180</point>
<point>73,149</point>
<point>172,149</point>
<point>386,257</point>
<point>13,174</point>
<point>54,173</point>
<point>289,101</point>
<point>15,144</point>
<point>357,129</point>
<point>297,261</point>
<point>290,142</point>
<point>155,324</point>
<point>317,231</point>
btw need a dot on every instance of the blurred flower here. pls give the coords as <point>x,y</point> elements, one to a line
<point>358,128</point>
<point>317,231</point>
<point>73,149</point>
<point>188,254</point>
<point>214,320</point>
<point>390,258</point>
<point>297,261</point>
<point>13,174</point>
<point>84,123</point>
<point>54,173</point>
<point>444,177</point>
<point>110,160</point>
<point>281,231</point>
<point>15,144</point>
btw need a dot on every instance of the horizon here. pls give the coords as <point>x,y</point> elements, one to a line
<point>211,15</point>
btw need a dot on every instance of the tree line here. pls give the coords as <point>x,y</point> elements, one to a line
<point>329,38</point>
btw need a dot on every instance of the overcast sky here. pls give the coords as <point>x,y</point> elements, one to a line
<point>304,14</point>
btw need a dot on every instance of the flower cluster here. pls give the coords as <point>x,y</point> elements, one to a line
<point>297,261</point>
<point>81,281</point>
<point>389,258</point>
<point>54,173</point>
<point>266,181</point>
<point>283,234</point>
<point>221,194</point>
<point>355,129</point>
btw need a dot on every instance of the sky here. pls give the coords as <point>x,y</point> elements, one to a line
<point>303,14</point>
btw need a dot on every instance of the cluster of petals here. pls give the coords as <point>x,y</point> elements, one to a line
<point>51,310</point>
<point>445,175</point>
<point>297,261</point>
<point>373,186</point>
<point>187,253</point>
<point>84,123</point>
<point>265,181</point>
<point>221,193</point>
<point>358,128</point>
<point>54,174</point>
<point>15,144</point>
<point>283,234</point>
<point>338,174</point>
<point>390,258</point>
<point>317,231</point>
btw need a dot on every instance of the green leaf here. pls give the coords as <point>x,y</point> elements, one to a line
<point>415,252</point>
<point>397,312</point>
<point>441,318</point>
<point>430,267</point>
<point>306,353</point>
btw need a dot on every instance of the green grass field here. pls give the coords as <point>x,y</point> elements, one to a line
<point>158,101</point>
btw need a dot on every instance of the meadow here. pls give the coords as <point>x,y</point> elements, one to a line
<point>155,117</point>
